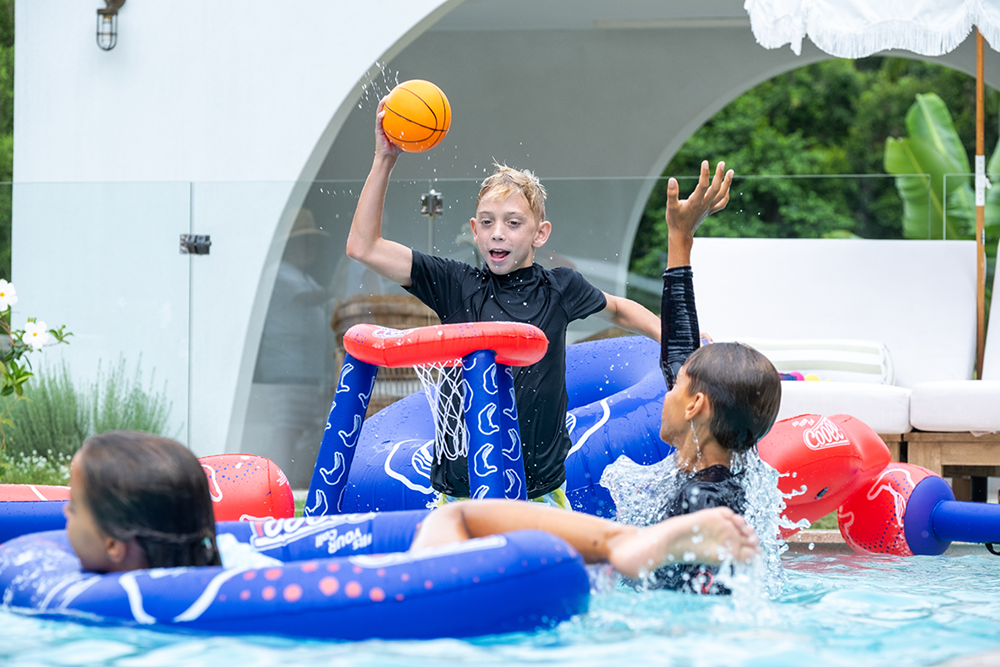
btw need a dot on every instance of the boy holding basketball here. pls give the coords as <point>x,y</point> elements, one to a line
<point>509,227</point>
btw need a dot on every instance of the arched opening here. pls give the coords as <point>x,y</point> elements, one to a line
<point>596,113</point>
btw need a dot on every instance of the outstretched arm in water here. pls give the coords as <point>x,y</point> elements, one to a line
<point>711,535</point>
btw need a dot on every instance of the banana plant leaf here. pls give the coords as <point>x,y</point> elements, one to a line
<point>921,161</point>
<point>921,170</point>
<point>934,181</point>
<point>993,201</point>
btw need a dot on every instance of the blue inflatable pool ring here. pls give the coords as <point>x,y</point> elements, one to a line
<point>615,392</point>
<point>332,583</point>
<point>30,516</point>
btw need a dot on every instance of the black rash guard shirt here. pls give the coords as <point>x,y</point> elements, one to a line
<point>549,300</point>
<point>715,486</point>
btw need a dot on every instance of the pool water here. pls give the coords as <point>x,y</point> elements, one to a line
<point>834,609</point>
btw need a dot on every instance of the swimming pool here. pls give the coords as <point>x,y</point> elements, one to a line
<point>835,609</point>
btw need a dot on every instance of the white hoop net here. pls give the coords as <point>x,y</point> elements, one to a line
<point>445,390</point>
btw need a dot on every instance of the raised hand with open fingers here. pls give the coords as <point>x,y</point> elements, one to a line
<point>686,215</point>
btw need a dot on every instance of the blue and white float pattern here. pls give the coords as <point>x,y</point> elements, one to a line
<point>343,428</point>
<point>496,465</point>
<point>615,393</point>
<point>516,582</point>
<point>486,477</point>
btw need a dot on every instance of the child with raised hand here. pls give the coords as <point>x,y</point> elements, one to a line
<point>509,227</point>
<point>139,501</point>
<point>722,399</point>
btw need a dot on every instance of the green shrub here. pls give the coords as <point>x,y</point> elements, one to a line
<point>116,403</point>
<point>57,418</point>
<point>53,419</point>
<point>52,468</point>
<point>828,522</point>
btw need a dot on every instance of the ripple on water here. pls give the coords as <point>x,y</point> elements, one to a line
<point>834,610</point>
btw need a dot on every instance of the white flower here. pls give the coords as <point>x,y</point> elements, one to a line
<point>8,295</point>
<point>35,334</point>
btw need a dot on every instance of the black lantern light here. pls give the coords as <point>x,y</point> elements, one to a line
<point>107,24</point>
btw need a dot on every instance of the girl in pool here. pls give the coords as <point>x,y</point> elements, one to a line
<point>722,399</point>
<point>136,501</point>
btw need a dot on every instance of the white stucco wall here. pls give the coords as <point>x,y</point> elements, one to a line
<point>230,90</point>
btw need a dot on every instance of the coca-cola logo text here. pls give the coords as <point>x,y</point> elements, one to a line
<point>823,435</point>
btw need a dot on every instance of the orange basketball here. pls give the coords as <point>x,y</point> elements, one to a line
<point>417,115</point>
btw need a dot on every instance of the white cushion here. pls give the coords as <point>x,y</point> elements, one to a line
<point>991,353</point>
<point>884,408</point>
<point>956,406</point>
<point>840,360</point>
<point>918,297</point>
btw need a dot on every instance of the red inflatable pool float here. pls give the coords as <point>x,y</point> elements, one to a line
<point>246,487</point>
<point>823,461</point>
<point>33,492</point>
<point>243,487</point>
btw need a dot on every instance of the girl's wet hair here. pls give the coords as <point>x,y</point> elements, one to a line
<point>505,181</point>
<point>153,489</point>
<point>743,389</point>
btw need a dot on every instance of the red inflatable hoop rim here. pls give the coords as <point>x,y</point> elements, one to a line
<point>515,343</point>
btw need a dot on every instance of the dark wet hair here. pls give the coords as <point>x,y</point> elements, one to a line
<point>153,489</point>
<point>742,387</point>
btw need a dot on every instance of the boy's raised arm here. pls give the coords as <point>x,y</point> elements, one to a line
<point>365,243</point>
<point>630,316</point>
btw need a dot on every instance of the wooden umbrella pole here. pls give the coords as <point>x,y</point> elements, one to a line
<point>980,212</point>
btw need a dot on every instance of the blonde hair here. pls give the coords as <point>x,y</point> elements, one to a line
<point>505,181</point>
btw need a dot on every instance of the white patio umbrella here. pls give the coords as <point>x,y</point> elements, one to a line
<point>859,28</point>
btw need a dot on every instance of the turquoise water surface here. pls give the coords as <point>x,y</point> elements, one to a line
<point>834,609</point>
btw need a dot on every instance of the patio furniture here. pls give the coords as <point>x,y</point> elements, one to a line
<point>957,422</point>
<point>917,298</point>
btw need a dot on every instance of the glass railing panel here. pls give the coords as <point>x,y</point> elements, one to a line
<point>278,253</point>
<point>958,203</point>
<point>262,384</point>
<point>312,292</point>
<point>104,260</point>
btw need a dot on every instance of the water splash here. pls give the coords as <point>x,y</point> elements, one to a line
<point>764,509</point>
<point>639,493</point>
<point>376,84</point>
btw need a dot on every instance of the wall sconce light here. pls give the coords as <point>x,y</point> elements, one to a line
<point>107,24</point>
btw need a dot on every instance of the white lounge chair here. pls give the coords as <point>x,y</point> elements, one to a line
<point>958,422</point>
<point>915,297</point>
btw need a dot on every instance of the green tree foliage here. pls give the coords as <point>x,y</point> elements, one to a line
<point>940,203</point>
<point>831,117</point>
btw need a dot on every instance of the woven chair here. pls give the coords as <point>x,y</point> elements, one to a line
<point>398,311</point>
